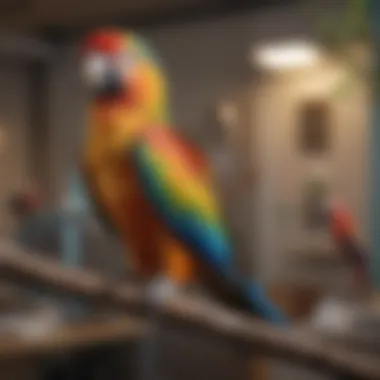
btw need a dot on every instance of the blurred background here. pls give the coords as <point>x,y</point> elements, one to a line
<point>251,116</point>
<point>251,82</point>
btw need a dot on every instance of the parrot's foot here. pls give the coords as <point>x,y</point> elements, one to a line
<point>160,290</point>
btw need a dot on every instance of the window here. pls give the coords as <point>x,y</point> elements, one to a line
<point>314,128</point>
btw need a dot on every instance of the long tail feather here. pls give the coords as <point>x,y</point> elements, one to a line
<point>262,305</point>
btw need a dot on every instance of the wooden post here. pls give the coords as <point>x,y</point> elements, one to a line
<point>374,174</point>
<point>75,208</point>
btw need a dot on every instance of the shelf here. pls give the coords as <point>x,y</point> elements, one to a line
<point>73,337</point>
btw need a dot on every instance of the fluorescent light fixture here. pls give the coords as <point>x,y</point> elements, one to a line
<point>286,55</point>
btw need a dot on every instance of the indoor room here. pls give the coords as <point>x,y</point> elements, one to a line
<point>190,189</point>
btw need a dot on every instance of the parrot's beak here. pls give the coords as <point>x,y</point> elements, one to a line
<point>101,77</point>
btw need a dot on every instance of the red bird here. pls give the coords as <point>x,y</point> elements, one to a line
<point>344,235</point>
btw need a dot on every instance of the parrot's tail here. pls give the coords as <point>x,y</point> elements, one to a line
<point>261,304</point>
<point>243,295</point>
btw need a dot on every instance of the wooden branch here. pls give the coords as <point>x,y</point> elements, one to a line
<point>291,343</point>
<point>33,271</point>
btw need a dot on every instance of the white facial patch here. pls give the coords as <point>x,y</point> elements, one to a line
<point>94,68</point>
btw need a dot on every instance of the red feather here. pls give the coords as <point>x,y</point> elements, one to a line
<point>105,41</point>
<point>193,155</point>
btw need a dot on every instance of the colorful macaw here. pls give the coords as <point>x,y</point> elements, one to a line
<point>148,183</point>
<point>344,236</point>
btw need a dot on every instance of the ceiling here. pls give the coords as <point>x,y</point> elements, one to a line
<point>68,15</point>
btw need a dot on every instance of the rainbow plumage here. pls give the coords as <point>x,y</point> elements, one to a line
<point>176,184</point>
<point>151,186</point>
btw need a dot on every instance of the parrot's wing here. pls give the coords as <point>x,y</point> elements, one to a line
<point>175,180</point>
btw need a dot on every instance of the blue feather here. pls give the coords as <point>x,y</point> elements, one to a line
<point>261,303</point>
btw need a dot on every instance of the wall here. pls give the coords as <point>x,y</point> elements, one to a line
<point>206,62</point>
<point>19,59</point>
<point>66,117</point>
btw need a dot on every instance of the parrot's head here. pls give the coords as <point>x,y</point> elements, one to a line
<point>120,69</point>
<point>340,219</point>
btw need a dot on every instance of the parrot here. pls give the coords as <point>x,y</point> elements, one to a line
<point>149,185</point>
<point>344,235</point>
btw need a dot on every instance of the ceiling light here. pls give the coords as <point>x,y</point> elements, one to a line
<point>286,55</point>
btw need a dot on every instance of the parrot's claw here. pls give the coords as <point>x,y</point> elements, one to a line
<point>160,290</point>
